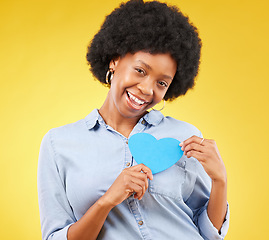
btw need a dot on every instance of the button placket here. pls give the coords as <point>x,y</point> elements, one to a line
<point>128,155</point>
<point>140,222</point>
<point>134,207</point>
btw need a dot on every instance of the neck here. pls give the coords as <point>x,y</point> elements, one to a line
<point>114,119</point>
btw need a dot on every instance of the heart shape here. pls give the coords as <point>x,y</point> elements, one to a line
<point>158,155</point>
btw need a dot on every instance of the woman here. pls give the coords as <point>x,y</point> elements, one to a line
<point>89,185</point>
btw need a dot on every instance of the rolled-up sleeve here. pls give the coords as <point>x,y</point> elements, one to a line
<point>198,202</point>
<point>56,214</point>
<point>208,231</point>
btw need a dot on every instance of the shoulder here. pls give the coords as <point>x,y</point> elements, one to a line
<point>180,124</point>
<point>69,130</point>
<point>66,139</point>
<point>76,128</point>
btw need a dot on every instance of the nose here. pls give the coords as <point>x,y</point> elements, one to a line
<point>146,87</point>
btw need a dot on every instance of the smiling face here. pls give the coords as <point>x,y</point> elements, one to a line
<point>140,81</point>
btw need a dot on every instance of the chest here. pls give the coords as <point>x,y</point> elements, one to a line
<point>88,170</point>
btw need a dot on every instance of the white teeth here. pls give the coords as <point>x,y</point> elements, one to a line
<point>136,99</point>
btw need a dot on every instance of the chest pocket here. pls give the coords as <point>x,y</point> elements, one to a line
<point>170,181</point>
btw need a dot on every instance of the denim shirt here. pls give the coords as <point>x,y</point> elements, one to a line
<point>78,162</point>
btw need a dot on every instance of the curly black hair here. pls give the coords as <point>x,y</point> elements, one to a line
<point>152,27</point>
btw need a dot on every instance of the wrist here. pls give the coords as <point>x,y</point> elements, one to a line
<point>221,176</point>
<point>104,202</point>
<point>221,181</point>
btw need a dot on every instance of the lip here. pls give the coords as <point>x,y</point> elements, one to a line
<point>132,105</point>
<point>141,99</point>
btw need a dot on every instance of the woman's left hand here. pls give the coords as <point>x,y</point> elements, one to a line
<point>207,153</point>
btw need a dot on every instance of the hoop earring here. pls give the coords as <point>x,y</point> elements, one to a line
<point>161,108</point>
<point>109,76</point>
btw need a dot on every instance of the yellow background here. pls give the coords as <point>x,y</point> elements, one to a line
<point>45,83</point>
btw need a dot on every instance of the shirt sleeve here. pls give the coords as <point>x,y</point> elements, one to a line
<point>198,202</point>
<point>56,214</point>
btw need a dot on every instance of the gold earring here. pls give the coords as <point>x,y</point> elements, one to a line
<point>161,108</point>
<point>109,76</point>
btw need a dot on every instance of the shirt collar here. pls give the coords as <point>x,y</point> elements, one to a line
<point>153,117</point>
<point>93,118</point>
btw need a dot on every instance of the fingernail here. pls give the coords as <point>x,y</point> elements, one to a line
<point>181,144</point>
<point>182,149</point>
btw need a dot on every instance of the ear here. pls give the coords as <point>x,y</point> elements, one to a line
<point>113,63</point>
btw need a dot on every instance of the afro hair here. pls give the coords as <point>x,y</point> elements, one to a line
<point>152,27</point>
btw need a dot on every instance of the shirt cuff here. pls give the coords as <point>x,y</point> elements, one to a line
<point>207,229</point>
<point>60,234</point>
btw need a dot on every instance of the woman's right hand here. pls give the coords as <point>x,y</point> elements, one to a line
<point>130,180</point>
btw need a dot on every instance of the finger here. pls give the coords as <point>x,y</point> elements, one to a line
<point>142,176</point>
<point>193,146</point>
<point>141,167</point>
<point>141,185</point>
<point>198,155</point>
<point>137,189</point>
<point>193,139</point>
<point>130,192</point>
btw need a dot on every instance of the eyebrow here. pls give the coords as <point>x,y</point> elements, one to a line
<point>150,68</point>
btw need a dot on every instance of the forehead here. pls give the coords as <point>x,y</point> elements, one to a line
<point>161,62</point>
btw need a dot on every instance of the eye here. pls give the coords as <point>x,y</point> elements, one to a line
<point>140,71</point>
<point>163,84</point>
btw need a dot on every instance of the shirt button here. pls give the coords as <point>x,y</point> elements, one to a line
<point>128,164</point>
<point>140,223</point>
<point>143,122</point>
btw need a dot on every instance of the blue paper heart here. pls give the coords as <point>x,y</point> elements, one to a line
<point>158,155</point>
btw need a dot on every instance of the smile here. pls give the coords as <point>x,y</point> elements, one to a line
<point>134,101</point>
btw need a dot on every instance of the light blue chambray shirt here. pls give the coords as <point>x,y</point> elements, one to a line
<point>78,162</point>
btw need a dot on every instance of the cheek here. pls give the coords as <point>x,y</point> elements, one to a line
<point>124,79</point>
<point>160,95</point>
<point>157,100</point>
